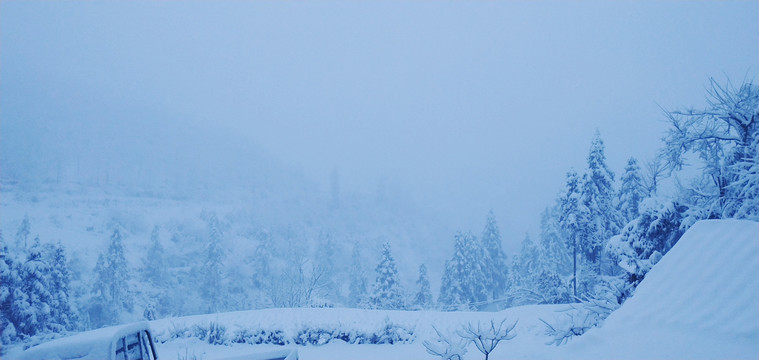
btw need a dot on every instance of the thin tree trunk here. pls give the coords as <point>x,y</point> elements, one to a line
<point>574,266</point>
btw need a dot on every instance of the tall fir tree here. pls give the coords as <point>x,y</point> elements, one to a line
<point>464,280</point>
<point>120,292</point>
<point>64,314</point>
<point>8,284</point>
<point>423,298</point>
<point>36,284</point>
<point>155,272</point>
<point>357,291</point>
<point>387,293</point>
<point>573,221</point>
<point>598,197</point>
<point>154,267</point>
<point>528,263</point>
<point>212,269</point>
<point>261,257</point>
<point>111,288</point>
<point>22,234</point>
<point>558,257</point>
<point>495,265</point>
<point>631,192</point>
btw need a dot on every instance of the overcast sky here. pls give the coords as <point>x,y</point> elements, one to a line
<point>466,106</point>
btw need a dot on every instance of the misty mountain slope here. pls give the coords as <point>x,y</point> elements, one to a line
<point>174,177</point>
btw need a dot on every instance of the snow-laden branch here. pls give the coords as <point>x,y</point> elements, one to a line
<point>487,338</point>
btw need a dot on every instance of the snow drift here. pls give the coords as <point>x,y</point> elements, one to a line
<point>700,301</point>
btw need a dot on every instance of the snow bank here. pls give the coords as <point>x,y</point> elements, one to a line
<point>700,301</point>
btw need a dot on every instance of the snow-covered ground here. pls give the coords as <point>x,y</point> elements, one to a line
<point>699,302</point>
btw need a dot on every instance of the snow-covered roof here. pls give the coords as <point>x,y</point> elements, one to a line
<point>95,344</point>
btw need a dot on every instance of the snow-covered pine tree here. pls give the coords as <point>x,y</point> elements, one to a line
<point>357,287</point>
<point>155,273</point>
<point>573,221</point>
<point>22,234</point>
<point>101,309</point>
<point>111,294</point>
<point>8,283</point>
<point>557,256</point>
<point>36,284</point>
<point>64,314</point>
<point>631,192</point>
<point>464,280</point>
<point>120,274</point>
<point>423,298</point>
<point>529,264</point>
<point>154,268</point>
<point>212,270</point>
<point>647,237</point>
<point>495,260</point>
<point>261,260</point>
<point>387,293</point>
<point>598,197</point>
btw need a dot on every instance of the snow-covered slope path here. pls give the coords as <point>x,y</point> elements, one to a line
<point>700,301</point>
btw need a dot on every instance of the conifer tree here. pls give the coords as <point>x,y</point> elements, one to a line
<point>102,310</point>
<point>111,288</point>
<point>464,280</point>
<point>261,256</point>
<point>22,234</point>
<point>495,265</point>
<point>573,221</point>
<point>423,298</point>
<point>36,284</point>
<point>8,283</point>
<point>155,273</point>
<point>597,197</point>
<point>212,269</point>
<point>154,268</point>
<point>631,191</point>
<point>529,263</point>
<point>64,314</point>
<point>387,293</point>
<point>357,288</point>
<point>557,256</point>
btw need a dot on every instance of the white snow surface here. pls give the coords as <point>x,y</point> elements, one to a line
<point>701,301</point>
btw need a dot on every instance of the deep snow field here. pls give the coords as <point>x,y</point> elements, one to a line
<point>700,302</point>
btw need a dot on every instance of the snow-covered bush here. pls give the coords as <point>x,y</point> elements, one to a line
<point>259,336</point>
<point>646,238</point>
<point>487,338</point>
<point>553,289</point>
<point>446,346</point>
<point>217,334</point>
<point>590,312</point>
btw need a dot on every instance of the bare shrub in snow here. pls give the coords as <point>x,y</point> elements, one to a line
<point>487,338</point>
<point>589,313</point>
<point>446,347</point>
